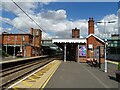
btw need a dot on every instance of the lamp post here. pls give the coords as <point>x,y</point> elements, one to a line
<point>14,52</point>
<point>105,69</point>
<point>105,56</point>
<point>104,23</point>
<point>14,46</point>
<point>6,46</point>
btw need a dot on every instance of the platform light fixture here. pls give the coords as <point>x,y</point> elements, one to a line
<point>105,22</point>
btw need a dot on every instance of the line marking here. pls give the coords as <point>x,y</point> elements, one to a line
<point>37,75</point>
<point>27,76</point>
<point>43,86</point>
<point>27,84</point>
<point>32,79</point>
<point>112,62</point>
<point>15,88</point>
<point>96,78</point>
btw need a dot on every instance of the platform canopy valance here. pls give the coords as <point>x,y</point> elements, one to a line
<point>70,40</point>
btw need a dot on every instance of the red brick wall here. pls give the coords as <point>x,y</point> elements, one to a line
<point>75,33</point>
<point>28,51</point>
<point>95,42</point>
<point>37,36</point>
<point>12,39</point>
<point>28,40</point>
<point>1,39</point>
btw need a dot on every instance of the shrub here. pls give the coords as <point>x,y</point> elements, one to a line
<point>119,66</point>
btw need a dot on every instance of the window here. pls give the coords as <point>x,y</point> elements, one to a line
<point>115,44</point>
<point>111,45</point>
<point>37,33</point>
<point>23,38</point>
<point>8,38</point>
<point>15,37</point>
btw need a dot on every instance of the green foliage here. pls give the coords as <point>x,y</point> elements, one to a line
<point>119,66</point>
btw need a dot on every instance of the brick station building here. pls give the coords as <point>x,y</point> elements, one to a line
<point>80,49</point>
<point>28,44</point>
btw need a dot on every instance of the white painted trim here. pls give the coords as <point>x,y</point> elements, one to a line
<point>28,76</point>
<point>64,52</point>
<point>70,40</point>
<point>12,45</point>
<point>95,37</point>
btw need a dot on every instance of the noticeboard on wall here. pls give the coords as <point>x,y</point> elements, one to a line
<point>90,46</point>
<point>82,51</point>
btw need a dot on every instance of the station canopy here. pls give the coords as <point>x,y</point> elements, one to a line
<point>69,40</point>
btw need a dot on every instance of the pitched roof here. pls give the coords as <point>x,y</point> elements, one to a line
<point>95,37</point>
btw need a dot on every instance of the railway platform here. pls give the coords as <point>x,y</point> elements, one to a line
<point>59,74</point>
<point>12,60</point>
<point>80,75</point>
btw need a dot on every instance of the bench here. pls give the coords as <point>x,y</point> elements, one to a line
<point>117,75</point>
<point>92,62</point>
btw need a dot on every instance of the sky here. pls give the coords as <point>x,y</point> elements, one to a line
<point>57,19</point>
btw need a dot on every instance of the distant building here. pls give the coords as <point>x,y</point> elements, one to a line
<point>28,44</point>
<point>48,48</point>
<point>113,47</point>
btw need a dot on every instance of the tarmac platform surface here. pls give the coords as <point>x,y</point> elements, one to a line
<point>80,75</point>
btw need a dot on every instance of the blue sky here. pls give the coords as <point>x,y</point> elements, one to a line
<point>77,10</point>
<point>84,10</point>
<point>65,15</point>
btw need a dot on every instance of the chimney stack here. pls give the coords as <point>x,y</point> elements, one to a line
<point>75,33</point>
<point>31,31</point>
<point>90,26</point>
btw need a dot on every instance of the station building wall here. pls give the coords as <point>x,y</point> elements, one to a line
<point>30,44</point>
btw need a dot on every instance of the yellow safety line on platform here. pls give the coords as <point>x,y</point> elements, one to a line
<point>32,79</point>
<point>16,88</point>
<point>43,86</point>
<point>36,75</point>
<point>37,71</point>
<point>112,62</point>
<point>26,83</point>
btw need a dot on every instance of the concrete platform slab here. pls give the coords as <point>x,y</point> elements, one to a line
<point>80,75</point>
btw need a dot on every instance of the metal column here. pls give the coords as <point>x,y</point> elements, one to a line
<point>105,56</point>
<point>64,52</point>
<point>78,53</point>
<point>6,46</point>
<point>14,52</point>
<point>25,51</point>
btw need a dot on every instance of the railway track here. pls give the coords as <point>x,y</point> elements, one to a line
<point>12,74</point>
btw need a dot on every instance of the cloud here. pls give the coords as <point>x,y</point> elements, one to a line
<point>56,15</point>
<point>5,30</point>
<point>55,22</point>
<point>106,29</point>
<point>6,20</point>
<point>27,7</point>
<point>1,30</point>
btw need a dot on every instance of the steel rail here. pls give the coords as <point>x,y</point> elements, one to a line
<point>11,77</point>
